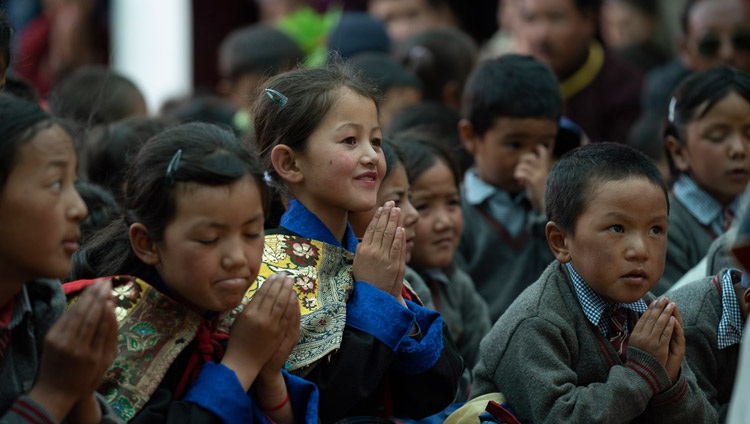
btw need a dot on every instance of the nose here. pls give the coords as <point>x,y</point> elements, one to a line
<point>410,214</point>
<point>738,146</point>
<point>77,209</point>
<point>637,248</point>
<point>233,254</point>
<point>442,220</point>
<point>370,155</point>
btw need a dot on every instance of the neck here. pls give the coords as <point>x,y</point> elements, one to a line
<point>333,218</point>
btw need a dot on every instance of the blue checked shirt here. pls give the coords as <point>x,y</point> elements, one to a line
<point>594,306</point>
<point>730,327</point>
<point>510,211</point>
<point>701,205</point>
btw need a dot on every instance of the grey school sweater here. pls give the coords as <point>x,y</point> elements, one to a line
<point>555,367</point>
<point>501,266</point>
<point>687,243</point>
<point>700,304</point>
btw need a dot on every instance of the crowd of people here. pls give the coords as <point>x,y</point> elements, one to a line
<point>381,214</point>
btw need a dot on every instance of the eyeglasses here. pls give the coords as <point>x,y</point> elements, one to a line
<point>710,43</point>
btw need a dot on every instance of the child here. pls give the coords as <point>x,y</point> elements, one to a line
<point>714,310</point>
<point>511,110</point>
<point>586,342</point>
<point>50,362</point>
<point>435,195</point>
<point>192,235</point>
<point>370,351</point>
<point>709,154</point>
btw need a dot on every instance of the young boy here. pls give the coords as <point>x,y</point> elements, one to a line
<point>511,109</point>
<point>586,342</point>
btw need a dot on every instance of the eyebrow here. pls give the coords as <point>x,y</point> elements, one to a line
<point>355,126</point>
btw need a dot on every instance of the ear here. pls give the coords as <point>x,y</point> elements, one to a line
<point>284,161</point>
<point>142,244</point>
<point>557,240</point>
<point>468,136</point>
<point>452,95</point>
<point>677,152</point>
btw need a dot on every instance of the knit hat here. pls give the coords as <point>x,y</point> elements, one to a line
<point>358,32</point>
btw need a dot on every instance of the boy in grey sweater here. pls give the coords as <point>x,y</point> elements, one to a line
<point>587,342</point>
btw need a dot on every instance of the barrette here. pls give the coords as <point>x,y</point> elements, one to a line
<point>276,97</point>
<point>670,111</point>
<point>174,164</point>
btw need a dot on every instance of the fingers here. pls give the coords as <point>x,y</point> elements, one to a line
<point>370,231</point>
<point>399,252</point>
<point>265,298</point>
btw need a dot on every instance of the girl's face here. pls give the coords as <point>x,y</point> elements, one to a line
<point>396,188</point>
<point>40,209</point>
<point>717,150</point>
<point>342,165</point>
<point>212,249</point>
<point>436,198</point>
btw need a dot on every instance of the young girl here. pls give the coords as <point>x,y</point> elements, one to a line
<point>435,193</point>
<point>192,235</point>
<point>395,188</point>
<point>708,139</point>
<point>370,351</point>
<point>50,363</point>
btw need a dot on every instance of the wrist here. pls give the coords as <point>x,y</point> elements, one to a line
<point>56,403</point>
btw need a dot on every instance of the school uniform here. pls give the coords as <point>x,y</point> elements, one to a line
<point>503,247</point>
<point>695,220</point>
<point>713,324</point>
<point>548,354</point>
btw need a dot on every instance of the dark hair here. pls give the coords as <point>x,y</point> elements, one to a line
<point>110,148</point>
<point>20,121</point>
<point>207,108</point>
<point>257,49</point>
<point>102,207</point>
<point>94,95</point>
<point>515,86</point>
<point>6,32</point>
<point>588,6</point>
<point>437,120</point>
<point>210,156</point>
<point>309,94</point>
<point>20,87</point>
<point>421,153</point>
<point>393,156</point>
<point>573,178</point>
<point>696,95</point>
<point>437,57</point>
<point>384,71</point>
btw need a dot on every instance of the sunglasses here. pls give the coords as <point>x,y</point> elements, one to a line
<point>710,43</point>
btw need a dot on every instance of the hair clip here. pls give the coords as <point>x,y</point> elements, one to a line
<point>174,164</point>
<point>276,97</point>
<point>670,111</point>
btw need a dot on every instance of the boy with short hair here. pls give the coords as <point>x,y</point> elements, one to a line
<point>587,342</point>
<point>511,109</point>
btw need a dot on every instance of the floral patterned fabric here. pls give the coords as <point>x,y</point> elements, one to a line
<point>323,281</point>
<point>153,331</point>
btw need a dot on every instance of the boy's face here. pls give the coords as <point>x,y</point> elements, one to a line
<point>620,241</point>
<point>498,151</point>
<point>717,33</point>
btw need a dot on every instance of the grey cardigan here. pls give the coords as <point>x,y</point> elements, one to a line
<point>555,367</point>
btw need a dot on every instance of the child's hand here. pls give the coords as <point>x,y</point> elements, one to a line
<point>654,330</point>
<point>78,349</point>
<point>531,172</point>
<point>291,337</point>
<point>259,330</point>
<point>381,256</point>
<point>676,347</point>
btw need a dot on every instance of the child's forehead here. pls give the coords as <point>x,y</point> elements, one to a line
<point>540,123</point>
<point>608,191</point>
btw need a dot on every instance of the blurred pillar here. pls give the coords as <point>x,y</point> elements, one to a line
<point>152,45</point>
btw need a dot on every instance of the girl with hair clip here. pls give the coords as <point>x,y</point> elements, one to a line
<point>370,351</point>
<point>50,362</point>
<point>192,239</point>
<point>707,137</point>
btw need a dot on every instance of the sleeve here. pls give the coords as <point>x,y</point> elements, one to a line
<point>26,411</point>
<point>705,362</point>
<point>377,352</point>
<point>546,388</point>
<point>677,262</point>
<point>203,403</point>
